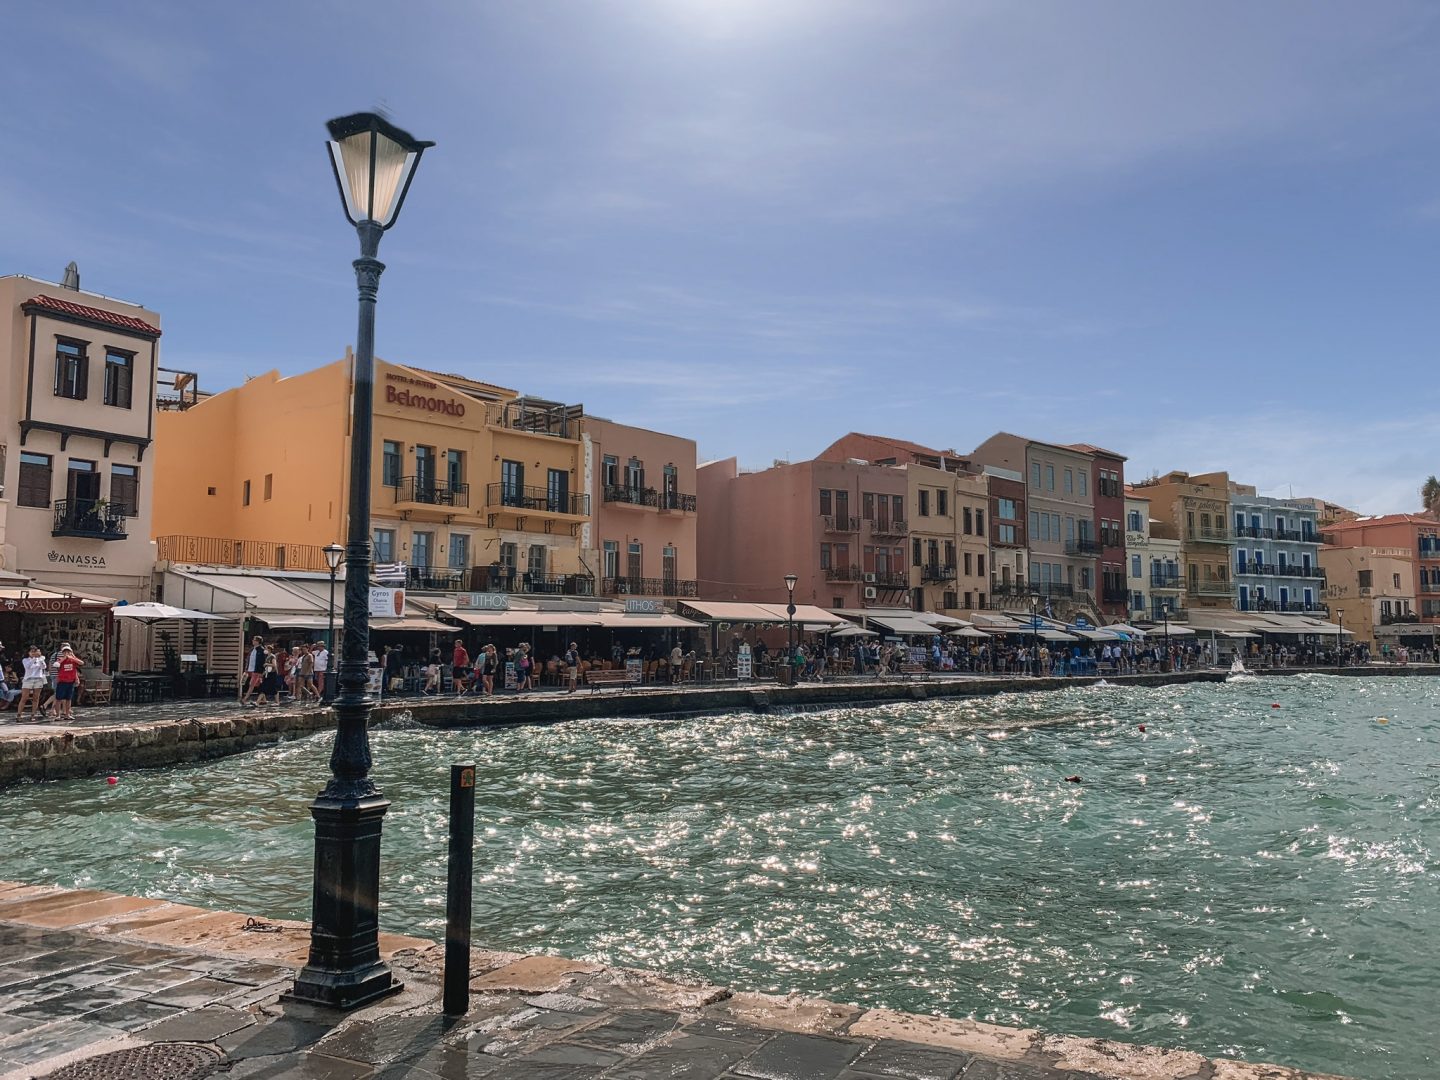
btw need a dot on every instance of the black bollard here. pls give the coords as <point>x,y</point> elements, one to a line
<point>457,890</point>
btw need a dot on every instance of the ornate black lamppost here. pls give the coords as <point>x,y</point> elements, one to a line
<point>1035,632</point>
<point>334,556</point>
<point>374,162</point>
<point>790,580</point>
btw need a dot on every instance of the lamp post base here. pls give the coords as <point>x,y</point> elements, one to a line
<point>344,969</point>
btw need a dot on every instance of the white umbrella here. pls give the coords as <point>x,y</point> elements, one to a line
<point>968,631</point>
<point>854,631</point>
<point>153,612</point>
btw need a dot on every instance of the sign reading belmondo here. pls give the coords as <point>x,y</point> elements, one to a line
<point>419,399</point>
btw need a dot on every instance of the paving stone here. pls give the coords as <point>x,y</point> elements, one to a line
<point>800,1057</point>
<point>192,994</point>
<point>443,1063</point>
<point>9,1025</point>
<point>283,1035</point>
<point>75,1003</point>
<point>144,956</point>
<point>985,1069</point>
<point>686,1058</point>
<point>147,980</point>
<point>566,1053</point>
<point>131,1015</point>
<point>911,1061</point>
<point>53,1040</point>
<point>630,1031</point>
<point>248,972</point>
<point>394,1038</point>
<point>714,1028</point>
<point>201,1025</point>
<point>299,1067</point>
<point>565,1003</point>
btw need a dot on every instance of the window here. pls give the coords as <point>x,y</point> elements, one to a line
<point>1005,508</point>
<point>209,491</point>
<point>512,482</point>
<point>867,506</point>
<point>669,561</point>
<point>897,506</point>
<point>980,564</point>
<point>1035,524</point>
<point>837,601</point>
<point>34,479</point>
<point>1005,534</point>
<point>1069,482</point>
<point>557,492</point>
<point>611,566</point>
<point>536,563</point>
<point>1055,527</point>
<point>670,487</point>
<point>269,486</point>
<point>966,562</point>
<point>245,493</point>
<point>1049,477</point>
<point>1085,483</point>
<point>82,481</point>
<point>119,376</point>
<point>635,474</point>
<point>842,505</point>
<point>915,550</point>
<point>455,469</point>
<point>509,556</point>
<point>1397,580</point>
<point>949,552</point>
<point>422,544</point>
<point>610,475</point>
<point>384,543</point>
<point>924,502</point>
<point>967,522</point>
<point>825,556</point>
<point>634,559</point>
<point>72,369</point>
<point>458,554</point>
<point>825,501</point>
<point>1133,522</point>
<point>942,502</point>
<point>390,463</point>
<point>1134,565</point>
<point>948,601</point>
<point>1035,474</point>
<point>125,489</point>
<point>979,522</point>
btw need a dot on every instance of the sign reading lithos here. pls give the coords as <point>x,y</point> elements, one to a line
<point>483,601</point>
<point>398,392</point>
<point>645,607</point>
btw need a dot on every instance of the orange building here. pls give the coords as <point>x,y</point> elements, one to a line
<point>1416,534</point>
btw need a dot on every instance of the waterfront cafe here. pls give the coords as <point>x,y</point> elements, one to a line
<point>32,614</point>
<point>732,617</point>
<point>897,622</point>
<point>1230,633</point>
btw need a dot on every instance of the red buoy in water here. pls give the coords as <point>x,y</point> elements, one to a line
<point>112,779</point>
<point>1142,727</point>
<point>1073,779</point>
<point>1274,705</point>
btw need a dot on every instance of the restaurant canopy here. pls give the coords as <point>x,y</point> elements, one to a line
<point>735,611</point>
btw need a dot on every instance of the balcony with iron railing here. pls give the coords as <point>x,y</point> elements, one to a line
<point>644,586</point>
<point>937,572</point>
<point>535,500</point>
<point>1163,580</point>
<point>510,579</point>
<point>1430,587</point>
<point>1160,614</point>
<point>1291,606</point>
<point>886,527</point>
<point>654,498</point>
<point>1255,532</point>
<point>435,578</point>
<point>1389,618</point>
<point>888,579</point>
<point>1210,536</point>
<point>1428,549</point>
<point>425,491</point>
<point>90,519</point>
<point>1115,595</point>
<point>1083,546</point>
<point>1210,587</point>
<point>842,523</point>
<point>259,554</point>
<point>535,417</point>
<point>843,573</point>
<point>1249,568</point>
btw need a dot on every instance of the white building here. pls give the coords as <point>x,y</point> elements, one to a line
<point>1153,572</point>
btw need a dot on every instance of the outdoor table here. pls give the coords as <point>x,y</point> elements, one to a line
<point>139,687</point>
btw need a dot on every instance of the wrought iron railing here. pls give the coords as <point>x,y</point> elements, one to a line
<point>435,578</point>
<point>1256,569</point>
<point>937,572</point>
<point>645,586</point>
<point>1211,536</point>
<point>1390,618</point>
<point>1211,587</point>
<point>886,527</point>
<point>1166,581</point>
<point>95,519</point>
<point>843,573</point>
<point>841,524</point>
<point>1083,547</point>
<point>260,554</point>
<point>422,489</point>
<point>509,579</point>
<point>520,498</point>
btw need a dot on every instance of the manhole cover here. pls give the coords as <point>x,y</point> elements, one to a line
<point>158,1061</point>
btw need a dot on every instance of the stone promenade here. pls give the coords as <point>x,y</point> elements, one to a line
<point>94,984</point>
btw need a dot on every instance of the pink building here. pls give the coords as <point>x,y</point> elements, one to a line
<point>838,526</point>
<point>642,498</point>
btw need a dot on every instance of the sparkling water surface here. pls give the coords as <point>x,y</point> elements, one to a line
<point>1238,879</point>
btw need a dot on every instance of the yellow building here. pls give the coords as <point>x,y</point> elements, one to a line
<point>474,487</point>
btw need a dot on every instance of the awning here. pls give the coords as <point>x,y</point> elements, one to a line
<point>904,625</point>
<point>735,612</point>
<point>620,620</point>
<point>1398,630</point>
<point>38,600</point>
<point>281,621</point>
<point>1126,628</point>
<point>968,631</point>
<point>1057,635</point>
<point>413,622</point>
<point>857,631</point>
<point>506,619</point>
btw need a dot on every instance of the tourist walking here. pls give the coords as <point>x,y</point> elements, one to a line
<point>306,660</point>
<point>459,667</point>
<point>254,669</point>
<point>322,671</point>
<point>67,681</point>
<point>432,675</point>
<point>572,667</point>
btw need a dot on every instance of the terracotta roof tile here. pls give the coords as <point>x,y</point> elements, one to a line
<point>100,315</point>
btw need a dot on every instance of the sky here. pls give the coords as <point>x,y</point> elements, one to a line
<point>1201,234</point>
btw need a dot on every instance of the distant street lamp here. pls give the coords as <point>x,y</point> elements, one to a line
<point>1167,664</point>
<point>790,580</point>
<point>1035,632</point>
<point>1340,642</point>
<point>334,553</point>
<point>374,162</point>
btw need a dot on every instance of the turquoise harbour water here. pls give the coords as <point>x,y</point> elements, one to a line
<point>1239,880</point>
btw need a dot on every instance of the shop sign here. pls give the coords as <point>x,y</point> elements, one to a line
<point>636,670</point>
<point>408,399</point>
<point>743,663</point>
<point>53,605</point>
<point>644,607</point>
<point>387,603</point>
<point>483,601</point>
<point>65,558</point>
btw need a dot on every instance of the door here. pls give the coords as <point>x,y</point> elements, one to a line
<point>512,483</point>
<point>557,491</point>
<point>672,488</point>
<point>1244,597</point>
<point>82,485</point>
<point>459,551</point>
<point>421,545</point>
<point>669,569</point>
<point>612,560</point>
<point>424,470</point>
<point>634,561</point>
